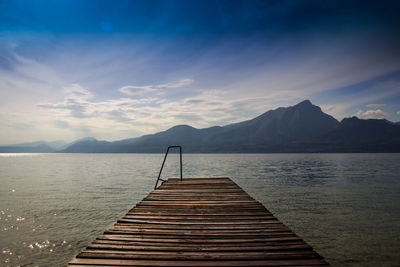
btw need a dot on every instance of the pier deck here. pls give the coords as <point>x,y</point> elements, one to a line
<point>198,222</point>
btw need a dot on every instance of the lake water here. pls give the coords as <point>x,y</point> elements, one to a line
<point>347,206</point>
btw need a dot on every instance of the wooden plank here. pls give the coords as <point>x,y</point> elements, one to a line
<point>204,217</point>
<point>198,214</point>
<point>206,247</point>
<point>197,248</point>
<point>197,231</point>
<point>200,226</point>
<point>153,263</point>
<point>193,234</point>
<point>272,220</point>
<point>183,255</point>
<point>197,240</point>
<point>198,222</point>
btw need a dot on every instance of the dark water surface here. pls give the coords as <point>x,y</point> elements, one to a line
<point>347,206</point>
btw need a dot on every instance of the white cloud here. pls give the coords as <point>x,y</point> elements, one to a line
<point>133,90</point>
<point>77,93</point>
<point>375,105</point>
<point>176,84</point>
<point>345,106</point>
<point>76,102</point>
<point>136,90</point>
<point>398,113</point>
<point>207,108</point>
<point>372,114</point>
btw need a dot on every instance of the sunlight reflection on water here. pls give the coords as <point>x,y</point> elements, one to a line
<point>8,155</point>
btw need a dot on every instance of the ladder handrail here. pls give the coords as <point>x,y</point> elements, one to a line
<point>165,157</point>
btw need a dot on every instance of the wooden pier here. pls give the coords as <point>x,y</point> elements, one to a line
<point>198,222</point>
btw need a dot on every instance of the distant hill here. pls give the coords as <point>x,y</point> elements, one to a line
<point>357,135</point>
<point>87,145</point>
<point>299,128</point>
<point>33,147</point>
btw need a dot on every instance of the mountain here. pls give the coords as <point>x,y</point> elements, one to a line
<point>88,145</point>
<point>33,147</point>
<point>261,134</point>
<point>357,135</point>
<point>190,138</point>
<point>299,128</point>
<point>275,127</point>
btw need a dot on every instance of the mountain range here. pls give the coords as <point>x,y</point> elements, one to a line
<point>299,128</point>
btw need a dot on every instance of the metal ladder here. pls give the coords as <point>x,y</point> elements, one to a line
<point>162,166</point>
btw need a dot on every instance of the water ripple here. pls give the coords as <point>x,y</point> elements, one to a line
<point>53,205</point>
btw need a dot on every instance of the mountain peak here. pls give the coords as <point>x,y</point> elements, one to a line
<point>304,103</point>
<point>182,126</point>
<point>353,118</point>
<point>85,139</point>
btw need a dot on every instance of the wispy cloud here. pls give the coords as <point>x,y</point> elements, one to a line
<point>76,101</point>
<point>375,105</point>
<point>76,93</point>
<point>343,104</point>
<point>372,114</point>
<point>133,90</point>
<point>79,110</point>
<point>176,84</point>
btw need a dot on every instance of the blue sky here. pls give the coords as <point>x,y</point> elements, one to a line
<point>120,69</point>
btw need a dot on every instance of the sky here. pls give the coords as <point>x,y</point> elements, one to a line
<point>120,69</point>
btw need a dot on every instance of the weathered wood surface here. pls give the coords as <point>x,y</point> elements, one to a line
<point>198,222</point>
